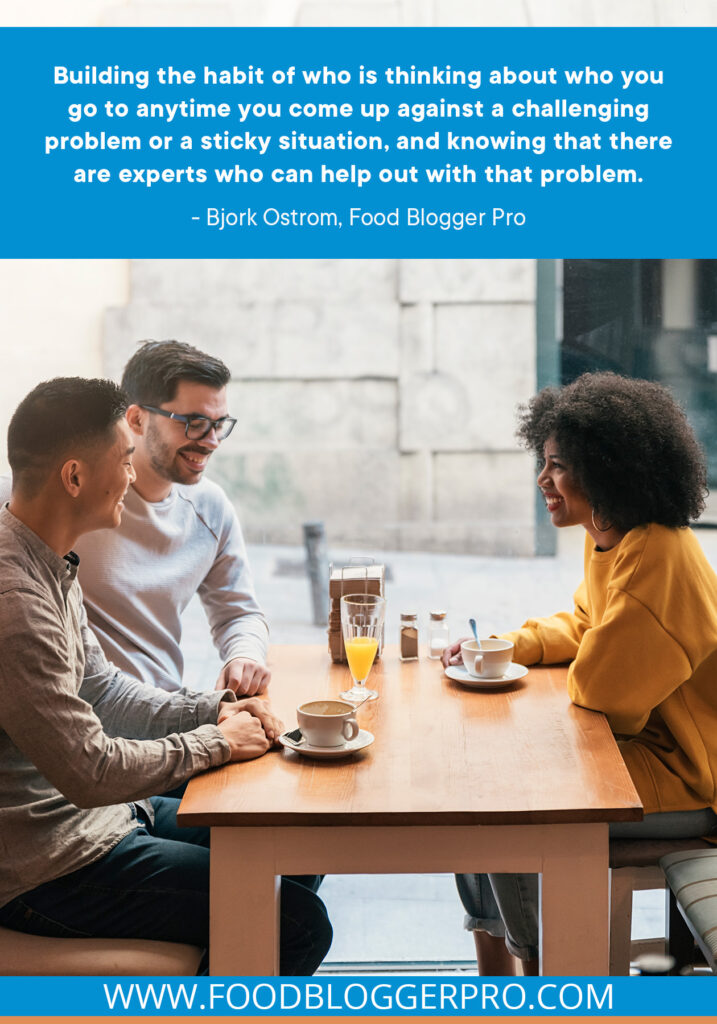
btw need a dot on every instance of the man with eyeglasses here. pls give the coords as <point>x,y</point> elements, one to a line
<point>179,533</point>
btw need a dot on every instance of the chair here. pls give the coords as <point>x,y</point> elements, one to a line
<point>692,878</point>
<point>40,955</point>
<point>635,866</point>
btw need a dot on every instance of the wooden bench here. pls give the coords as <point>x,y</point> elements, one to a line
<point>39,955</point>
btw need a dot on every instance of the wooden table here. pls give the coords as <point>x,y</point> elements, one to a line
<point>457,780</point>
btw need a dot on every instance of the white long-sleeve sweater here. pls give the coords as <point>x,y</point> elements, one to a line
<point>138,579</point>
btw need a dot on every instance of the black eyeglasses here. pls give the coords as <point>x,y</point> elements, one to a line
<point>197,427</point>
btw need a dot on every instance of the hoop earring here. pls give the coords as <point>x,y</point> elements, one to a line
<point>600,529</point>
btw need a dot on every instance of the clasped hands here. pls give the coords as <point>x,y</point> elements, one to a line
<point>249,726</point>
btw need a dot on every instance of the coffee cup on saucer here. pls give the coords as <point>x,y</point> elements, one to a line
<point>489,661</point>
<point>327,723</point>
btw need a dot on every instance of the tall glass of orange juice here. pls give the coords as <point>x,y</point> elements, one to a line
<point>361,622</point>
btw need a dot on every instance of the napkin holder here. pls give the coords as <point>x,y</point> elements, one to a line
<point>354,578</point>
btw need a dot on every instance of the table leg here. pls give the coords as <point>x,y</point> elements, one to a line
<point>246,864</point>
<point>574,902</point>
<point>244,900</point>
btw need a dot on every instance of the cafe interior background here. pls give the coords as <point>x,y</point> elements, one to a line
<point>378,398</point>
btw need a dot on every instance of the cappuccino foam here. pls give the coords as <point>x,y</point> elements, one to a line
<point>325,708</point>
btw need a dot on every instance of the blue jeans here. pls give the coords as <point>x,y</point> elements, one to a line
<point>155,885</point>
<point>506,905</point>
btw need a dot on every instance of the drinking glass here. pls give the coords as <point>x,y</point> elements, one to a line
<point>361,622</point>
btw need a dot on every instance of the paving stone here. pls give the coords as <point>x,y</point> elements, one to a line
<point>434,410</point>
<point>321,339</point>
<point>487,359</point>
<point>277,491</point>
<point>356,493</point>
<point>416,487</point>
<point>280,339</point>
<point>462,538</point>
<point>314,415</point>
<point>238,335</point>
<point>467,281</point>
<point>495,487</point>
<point>190,282</point>
<point>417,341</point>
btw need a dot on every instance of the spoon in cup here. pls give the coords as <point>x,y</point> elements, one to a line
<point>472,624</point>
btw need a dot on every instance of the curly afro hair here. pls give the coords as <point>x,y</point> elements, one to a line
<point>628,445</point>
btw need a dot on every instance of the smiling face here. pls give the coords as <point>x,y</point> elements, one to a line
<point>565,501</point>
<point>109,474</point>
<point>165,455</point>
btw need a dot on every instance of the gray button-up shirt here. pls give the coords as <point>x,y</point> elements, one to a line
<point>77,737</point>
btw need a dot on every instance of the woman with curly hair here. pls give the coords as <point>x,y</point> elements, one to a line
<point>618,457</point>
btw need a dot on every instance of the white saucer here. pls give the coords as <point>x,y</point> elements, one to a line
<point>364,739</point>
<point>461,675</point>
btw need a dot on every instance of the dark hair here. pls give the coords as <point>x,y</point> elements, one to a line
<point>55,417</point>
<point>154,372</point>
<point>628,445</point>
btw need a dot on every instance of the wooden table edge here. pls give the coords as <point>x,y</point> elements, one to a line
<point>226,819</point>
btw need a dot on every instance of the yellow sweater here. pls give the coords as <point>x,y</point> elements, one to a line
<point>643,646</point>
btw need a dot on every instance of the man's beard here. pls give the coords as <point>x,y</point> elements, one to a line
<point>163,459</point>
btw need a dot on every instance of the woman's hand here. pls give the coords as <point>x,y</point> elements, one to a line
<point>452,655</point>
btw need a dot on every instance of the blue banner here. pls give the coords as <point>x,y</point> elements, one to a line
<point>362,996</point>
<point>387,143</point>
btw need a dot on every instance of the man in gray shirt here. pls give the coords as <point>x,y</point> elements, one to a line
<point>179,533</point>
<point>80,742</point>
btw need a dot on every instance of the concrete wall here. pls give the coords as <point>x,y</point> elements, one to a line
<point>377,395</point>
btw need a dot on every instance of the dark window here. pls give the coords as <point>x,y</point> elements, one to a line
<point>655,319</point>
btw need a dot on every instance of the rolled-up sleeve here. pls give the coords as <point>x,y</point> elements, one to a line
<point>127,707</point>
<point>56,727</point>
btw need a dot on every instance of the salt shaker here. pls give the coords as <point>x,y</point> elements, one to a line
<point>409,636</point>
<point>438,638</point>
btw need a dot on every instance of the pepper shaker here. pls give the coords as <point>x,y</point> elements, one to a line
<point>409,636</point>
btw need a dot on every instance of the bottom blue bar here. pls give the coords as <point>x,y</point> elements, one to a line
<point>364,996</point>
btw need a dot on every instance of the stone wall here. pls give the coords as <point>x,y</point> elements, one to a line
<point>376,395</point>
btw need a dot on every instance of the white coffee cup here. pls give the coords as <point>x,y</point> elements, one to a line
<point>491,661</point>
<point>327,723</point>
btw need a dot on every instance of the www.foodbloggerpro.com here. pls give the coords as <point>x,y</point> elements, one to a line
<point>347,996</point>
